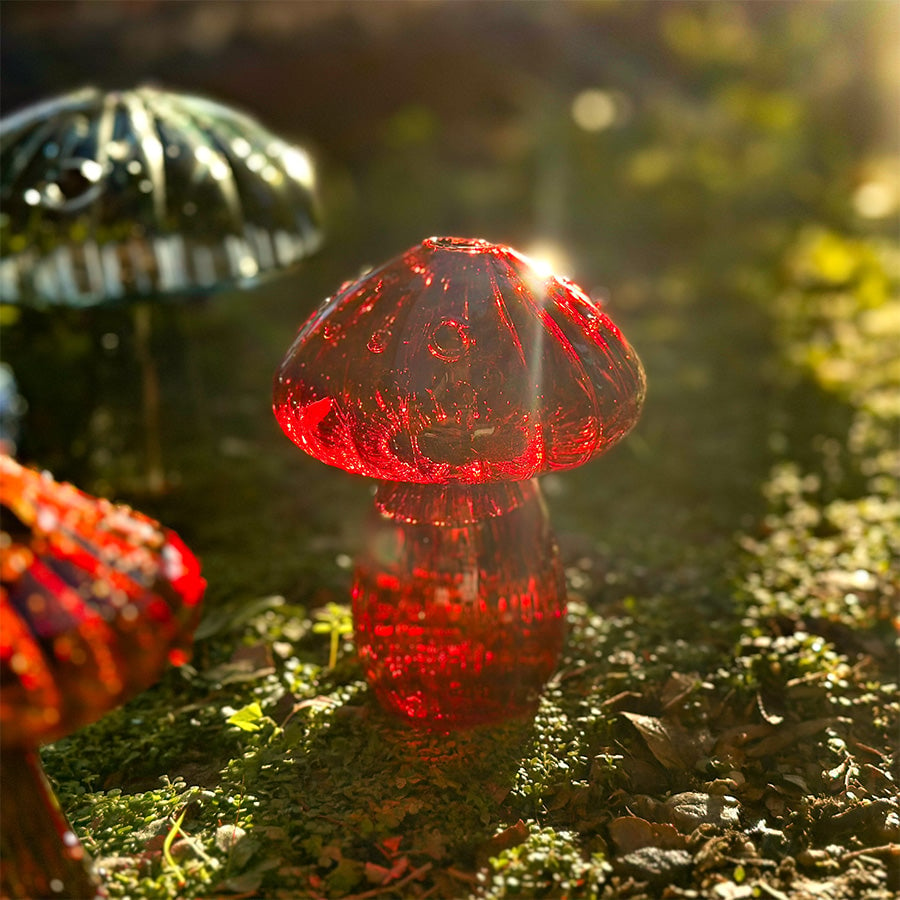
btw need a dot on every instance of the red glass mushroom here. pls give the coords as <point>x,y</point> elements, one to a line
<point>95,600</point>
<point>455,374</point>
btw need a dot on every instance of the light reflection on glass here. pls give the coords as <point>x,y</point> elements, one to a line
<point>298,165</point>
<point>241,146</point>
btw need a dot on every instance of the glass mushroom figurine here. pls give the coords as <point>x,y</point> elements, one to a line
<point>95,601</point>
<point>454,375</point>
<point>144,194</point>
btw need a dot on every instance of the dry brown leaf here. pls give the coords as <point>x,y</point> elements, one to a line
<point>673,745</point>
<point>677,688</point>
<point>790,734</point>
<point>509,837</point>
<point>631,833</point>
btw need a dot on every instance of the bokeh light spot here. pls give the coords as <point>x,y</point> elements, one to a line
<point>594,110</point>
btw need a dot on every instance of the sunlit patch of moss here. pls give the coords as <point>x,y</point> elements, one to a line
<point>835,558</point>
<point>546,863</point>
<point>824,258</point>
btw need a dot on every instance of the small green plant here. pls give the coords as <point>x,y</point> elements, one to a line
<point>335,620</point>
<point>248,718</point>
<point>167,846</point>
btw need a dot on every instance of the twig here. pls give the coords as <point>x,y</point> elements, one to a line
<point>388,888</point>
<point>774,893</point>
<point>886,850</point>
<point>461,876</point>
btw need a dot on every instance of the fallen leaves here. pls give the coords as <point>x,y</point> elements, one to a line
<point>675,746</point>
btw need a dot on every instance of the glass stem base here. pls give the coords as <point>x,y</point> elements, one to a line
<point>459,602</point>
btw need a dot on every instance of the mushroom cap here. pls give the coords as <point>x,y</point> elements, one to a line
<point>122,194</point>
<point>95,600</point>
<point>458,361</point>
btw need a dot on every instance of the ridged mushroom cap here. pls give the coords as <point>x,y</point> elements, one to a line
<point>458,362</point>
<point>95,600</point>
<point>109,195</point>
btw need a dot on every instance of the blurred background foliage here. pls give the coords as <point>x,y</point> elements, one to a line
<point>723,176</point>
<point>664,156</point>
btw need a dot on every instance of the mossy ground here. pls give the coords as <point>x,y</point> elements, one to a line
<point>724,720</point>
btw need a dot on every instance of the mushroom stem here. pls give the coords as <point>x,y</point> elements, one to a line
<point>156,477</point>
<point>459,602</point>
<point>40,855</point>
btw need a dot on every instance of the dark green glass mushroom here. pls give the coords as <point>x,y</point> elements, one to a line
<point>146,194</point>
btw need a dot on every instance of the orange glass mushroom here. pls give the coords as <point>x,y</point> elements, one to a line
<point>95,601</point>
<point>455,374</point>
